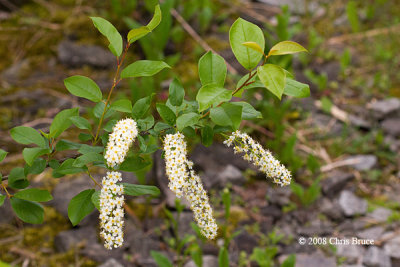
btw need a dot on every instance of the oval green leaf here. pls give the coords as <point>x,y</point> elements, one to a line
<point>166,113</point>
<point>80,206</point>
<point>212,69</point>
<point>296,89</point>
<point>111,33</point>
<point>176,93</point>
<point>122,105</point>
<point>139,190</point>
<point>212,94</point>
<point>34,194</point>
<point>273,77</point>
<point>83,86</point>
<point>143,68</point>
<point>31,153</point>
<point>227,115</point>
<point>285,48</point>
<point>61,121</point>
<point>27,211</point>
<point>243,31</point>
<point>27,135</point>
<point>188,119</point>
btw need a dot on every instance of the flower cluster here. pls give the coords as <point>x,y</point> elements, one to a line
<point>183,180</point>
<point>111,210</point>
<point>260,157</point>
<point>124,132</point>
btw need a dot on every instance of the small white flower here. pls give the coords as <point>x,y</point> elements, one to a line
<point>111,210</point>
<point>119,141</point>
<point>262,158</point>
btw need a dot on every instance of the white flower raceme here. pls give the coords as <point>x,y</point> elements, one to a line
<point>183,180</point>
<point>121,138</point>
<point>111,210</point>
<point>175,161</point>
<point>260,157</point>
<point>199,203</point>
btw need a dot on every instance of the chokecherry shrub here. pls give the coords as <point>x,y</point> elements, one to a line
<point>107,135</point>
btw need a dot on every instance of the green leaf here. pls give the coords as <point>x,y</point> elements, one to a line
<point>296,89</point>
<point>139,190</point>
<point>352,15</point>
<point>160,126</point>
<point>3,154</point>
<point>248,111</point>
<point>212,69</point>
<point>111,33</point>
<point>254,83</point>
<point>223,257</point>
<point>67,168</point>
<point>243,31</point>
<point>122,105</point>
<point>254,46</point>
<point>83,87</point>
<point>290,261</point>
<point>81,123</point>
<point>207,135</point>
<point>227,115</point>
<point>141,107</point>
<point>62,122</point>
<point>133,164</point>
<point>87,158</point>
<point>273,77</point>
<point>27,211</point>
<point>80,206</point>
<point>156,18</point>
<point>212,94</point>
<point>176,93</point>
<point>146,123</point>
<point>161,259</point>
<point>30,154</point>
<point>166,113</point>
<point>84,149</point>
<point>37,167</point>
<point>285,48</point>
<point>188,119</point>
<point>96,199</point>
<point>136,34</point>
<point>142,68</point>
<point>27,135</point>
<point>17,178</point>
<point>2,198</point>
<point>67,145</point>
<point>34,194</point>
<point>99,108</point>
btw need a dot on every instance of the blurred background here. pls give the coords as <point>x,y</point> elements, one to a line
<point>341,144</point>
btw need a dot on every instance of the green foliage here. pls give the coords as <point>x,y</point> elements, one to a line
<point>243,31</point>
<point>285,48</point>
<point>27,211</point>
<point>186,120</point>
<point>166,113</point>
<point>139,190</point>
<point>3,154</point>
<point>352,16</point>
<point>80,206</point>
<point>296,89</point>
<point>81,123</point>
<point>212,94</point>
<point>31,153</point>
<point>273,77</point>
<point>61,121</point>
<point>27,135</point>
<point>176,93</point>
<point>160,259</point>
<point>122,105</point>
<point>34,194</point>
<point>309,195</point>
<point>264,257</point>
<point>141,107</point>
<point>223,257</point>
<point>227,115</point>
<point>17,178</point>
<point>83,87</point>
<point>212,69</point>
<point>111,33</point>
<point>143,68</point>
<point>142,31</point>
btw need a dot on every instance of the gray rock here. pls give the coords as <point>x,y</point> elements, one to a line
<point>391,126</point>
<point>279,195</point>
<point>363,162</point>
<point>75,55</point>
<point>245,241</point>
<point>231,174</point>
<point>271,211</point>
<point>351,204</point>
<point>12,75</point>
<point>331,209</point>
<point>184,221</point>
<point>208,260</point>
<point>352,253</point>
<point>68,239</point>
<point>111,263</point>
<point>359,122</point>
<point>295,6</point>
<point>7,214</point>
<point>374,233</point>
<point>375,257</point>
<point>384,107</point>
<point>316,228</point>
<point>380,214</point>
<point>321,121</point>
<point>335,182</point>
<point>314,259</point>
<point>392,247</point>
<point>65,190</point>
<point>99,253</point>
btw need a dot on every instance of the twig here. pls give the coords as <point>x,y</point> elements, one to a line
<point>361,35</point>
<point>258,128</point>
<point>197,37</point>
<point>335,112</point>
<point>341,163</point>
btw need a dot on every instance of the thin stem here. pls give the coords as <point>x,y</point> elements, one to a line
<point>5,189</point>
<point>115,82</point>
<point>91,177</point>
